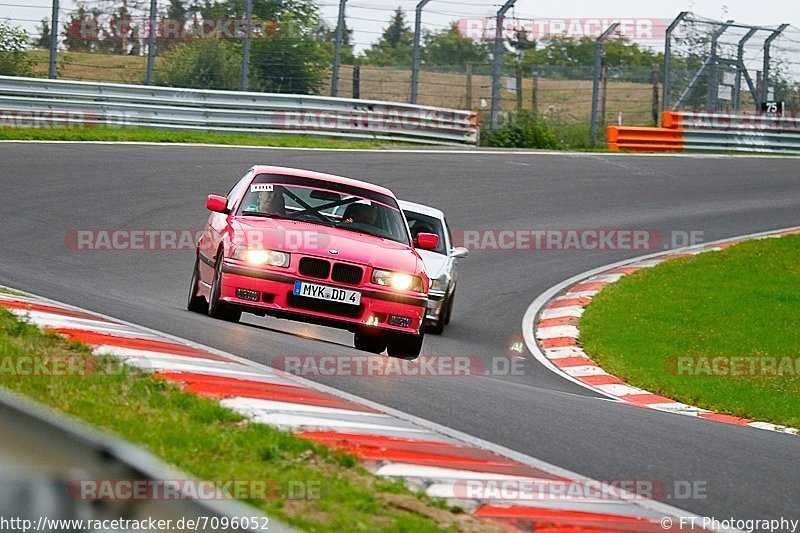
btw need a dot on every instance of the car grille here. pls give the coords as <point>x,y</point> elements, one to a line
<point>347,274</point>
<point>314,268</point>
<point>322,306</point>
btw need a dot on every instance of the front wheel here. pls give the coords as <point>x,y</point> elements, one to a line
<point>216,307</point>
<point>406,346</point>
<point>196,303</point>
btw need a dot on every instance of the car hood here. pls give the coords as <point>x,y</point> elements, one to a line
<point>435,264</point>
<point>316,240</point>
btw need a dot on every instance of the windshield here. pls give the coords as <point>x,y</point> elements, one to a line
<point>273,197</point>
<point>419,223</point>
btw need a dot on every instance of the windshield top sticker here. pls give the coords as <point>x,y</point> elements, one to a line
<point>261,187</point>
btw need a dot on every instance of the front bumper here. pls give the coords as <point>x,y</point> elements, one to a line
<point>434,308</point>
<point>270,292</point>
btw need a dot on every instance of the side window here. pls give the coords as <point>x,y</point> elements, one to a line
<point>236,191</point>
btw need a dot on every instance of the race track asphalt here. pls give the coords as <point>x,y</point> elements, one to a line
<point>50,190</point>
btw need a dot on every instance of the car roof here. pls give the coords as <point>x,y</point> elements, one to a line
<point>419,208</point>
<point>266,169</point>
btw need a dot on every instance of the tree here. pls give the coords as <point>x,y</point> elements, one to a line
<point>448,48</point>
<point>328,36</point>
<point>395,46</point>
<point>13,59</point>
<point>43,41</point>
<point>82,30</point>
<point>201,64</point>
<point>291,58</point>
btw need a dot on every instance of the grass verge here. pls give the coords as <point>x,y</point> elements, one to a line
<point>110,134</point>
<point>210,442</point>
<point>659,329</point>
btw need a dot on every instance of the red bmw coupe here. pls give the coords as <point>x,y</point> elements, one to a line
<point>318,248</point>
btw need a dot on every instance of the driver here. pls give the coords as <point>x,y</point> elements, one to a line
<point>360,214</point>
<point>272,202</point>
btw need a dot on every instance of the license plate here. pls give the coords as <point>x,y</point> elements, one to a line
<point>323,292</point>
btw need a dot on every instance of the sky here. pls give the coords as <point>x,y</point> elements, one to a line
<point>368,17</point>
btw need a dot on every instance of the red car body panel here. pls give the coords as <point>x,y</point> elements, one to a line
<point>274,285</point>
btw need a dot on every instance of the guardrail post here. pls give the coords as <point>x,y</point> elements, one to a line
<point>415,55</point>
<point>151,43</point>
<point>498,63</point>
<point>668,56</point>
<point>765,74</point>
<point>598,65</point>
<point>248,17</point>
<point>337,50</point>
<point>53,42</point>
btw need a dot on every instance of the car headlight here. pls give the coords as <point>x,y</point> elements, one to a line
<point>440,284</point>
<point>261,257</point>
<point>397,280</point>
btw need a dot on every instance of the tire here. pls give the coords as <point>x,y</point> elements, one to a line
<point>216,307</point>
<point>369,342</point>
<point>195,303</point>
<point>437,328</point>
<point>406,346</point>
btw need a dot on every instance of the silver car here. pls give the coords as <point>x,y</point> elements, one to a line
<point>441,263</point>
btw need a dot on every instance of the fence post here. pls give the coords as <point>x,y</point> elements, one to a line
<point>356,81</point>
<point>740,67</point>
<point>765,74</point>
<point>598,63</point>
<point>248,17</point>
<point>53,41</point>
<point>534,91</point>
<point>668,55</point>
<point>519,86</point>
<point>415,54</point>
<point>655,95</point>
<point>497,63</point>
<point>711,58</point>
<point>337,50</point>
<point>604,99</point>
<point>151,43</point>
<point>468,96</point>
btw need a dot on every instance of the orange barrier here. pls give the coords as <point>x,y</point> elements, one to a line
<point>636,139</point>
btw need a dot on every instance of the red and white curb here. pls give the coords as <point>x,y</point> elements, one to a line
<point>431,458</point>
<point>551,330</point>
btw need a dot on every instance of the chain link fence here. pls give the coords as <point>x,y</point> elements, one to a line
<point>233,44</point>
<point>729,67</point>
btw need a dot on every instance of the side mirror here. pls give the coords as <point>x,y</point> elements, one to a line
<point>217,204</point>
<point>460,252</point>
<point>427,241</point>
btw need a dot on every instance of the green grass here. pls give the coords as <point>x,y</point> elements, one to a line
<point>210,442</point>
<point>12,292</point>
<point>742,301</point>
<point>171,136</point>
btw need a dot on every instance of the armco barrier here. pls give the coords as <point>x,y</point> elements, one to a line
<point>34,102</point>
<point>703,132</point>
